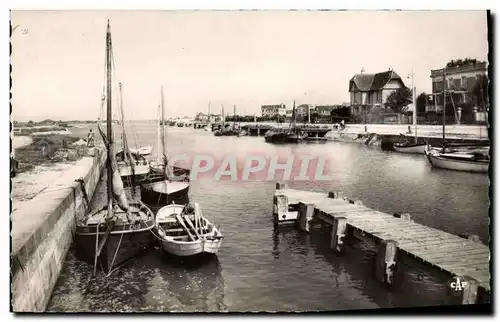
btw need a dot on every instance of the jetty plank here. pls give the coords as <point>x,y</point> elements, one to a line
<point>445,251</point>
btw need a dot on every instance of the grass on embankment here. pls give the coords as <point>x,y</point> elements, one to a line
<point>43,150</point>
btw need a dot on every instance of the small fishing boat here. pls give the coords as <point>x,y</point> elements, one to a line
<point>184,231</point>
<point>145,150</point>
<point>133,167</point>
<point>110,236</point>
<point>162,190</point>
<point>290,135</point>
<point>408,147</point>
<point>456,157</point>
<point>460,161</point>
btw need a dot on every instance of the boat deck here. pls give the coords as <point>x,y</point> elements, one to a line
<point>445,251</point>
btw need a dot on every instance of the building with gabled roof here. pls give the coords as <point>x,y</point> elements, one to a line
<point>371,90</point>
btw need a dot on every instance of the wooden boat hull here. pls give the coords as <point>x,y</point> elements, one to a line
<point>283,138</point>
<point>207,242</point>
<point>413,149</point>
<point>438,161</point>
<point>145,150</point>
<point>138,175</point>
<point>185,249</point>
<point>162,193</point>
<point>158,169</point>
<point>124,241</point>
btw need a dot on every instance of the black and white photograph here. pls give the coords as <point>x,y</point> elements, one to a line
<point>251,161</point>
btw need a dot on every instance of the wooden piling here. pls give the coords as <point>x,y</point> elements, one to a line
<point>281,208</point>
<point>339,231</point>
<point>281,185</point>
<point>306,213</point>
<point>386,262</point>
<point>470,292</point>
<point>335,195</point>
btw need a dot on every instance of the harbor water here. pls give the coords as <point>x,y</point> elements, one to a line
<point>260,268</point>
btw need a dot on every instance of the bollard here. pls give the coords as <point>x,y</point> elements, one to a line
<point>406,216</point>
<point>281,186</point>
<point>339,230</point>
<point>358,202</point>
<point>386,262</point>
<point>335,195</point>
<point>306,213</point>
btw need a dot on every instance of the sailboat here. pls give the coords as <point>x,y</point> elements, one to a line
<point>292,135</point>
<point>164,191</point>
<point>468,160</point>
<point>133,167</point>
<point>404,145</point>
<point>116,233</point>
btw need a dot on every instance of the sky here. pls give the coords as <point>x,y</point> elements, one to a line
<point>242,58</point>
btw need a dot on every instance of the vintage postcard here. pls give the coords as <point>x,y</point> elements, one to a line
<point>250,161</point>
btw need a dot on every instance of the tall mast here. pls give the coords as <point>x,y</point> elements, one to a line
<point>444,104</point>
<point>163,143</point>
<point>109,117</point>
<point>414,99</point>
<point>158,133</point>
<point>126,152</point>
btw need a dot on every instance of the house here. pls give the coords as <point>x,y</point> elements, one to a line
<point>304,109</point>
<point>202,117</point>
<point>272,110</point>
<point>325,110</point>
<point>371,90</point>
<point>462,78</point>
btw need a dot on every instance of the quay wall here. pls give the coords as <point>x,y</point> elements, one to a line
<point>43,230</point>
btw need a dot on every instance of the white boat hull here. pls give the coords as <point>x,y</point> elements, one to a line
<point>206,242</point>
<point>185,249</point>
<point>416,149</point>
<point>145,150</point>
<point>439,161</point>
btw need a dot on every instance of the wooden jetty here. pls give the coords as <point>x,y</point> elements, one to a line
<point>397,236</point>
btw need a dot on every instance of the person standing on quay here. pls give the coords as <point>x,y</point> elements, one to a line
<point>90,139</point>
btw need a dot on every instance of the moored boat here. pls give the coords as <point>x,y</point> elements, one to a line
<point>406,147</point>
<point>114,234</point>
<point>144,150</point>
<point>163,190</point>
<point>290,135</point>
<point>459,161</point>
<point>184,231</point>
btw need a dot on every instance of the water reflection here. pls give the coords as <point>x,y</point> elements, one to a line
<point>155,282</point>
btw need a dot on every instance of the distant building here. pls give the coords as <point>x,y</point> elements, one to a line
<point>304,109</point>
<point>325,110</point>
<point>202,117</point>
<point>371,90</point>
<point>272,110</point>
<point>462,77</point>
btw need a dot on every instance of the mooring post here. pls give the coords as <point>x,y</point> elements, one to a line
<point>386,262</point>
<point>281,186</point>
<point>339,230</point>
<point>306,213</point>
<point>358,202</point>
<point>470,292</point>
<point>335,195</point>
<point>281,208</point>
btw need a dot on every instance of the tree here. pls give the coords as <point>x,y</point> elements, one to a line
<point>481,92</point>
<point>421,103</point>
<point>398,100</point>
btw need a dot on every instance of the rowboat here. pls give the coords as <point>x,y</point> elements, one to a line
<point>145,150</point>
<point>184,231</point>
<point>404,147</point>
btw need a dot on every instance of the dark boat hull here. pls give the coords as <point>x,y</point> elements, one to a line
<point>283,138</point>
<point>123,243</point>
<point>155,199</point>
